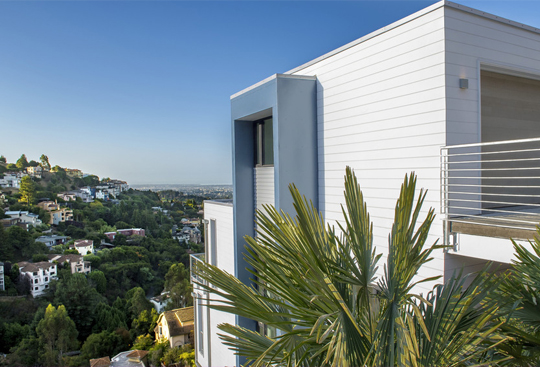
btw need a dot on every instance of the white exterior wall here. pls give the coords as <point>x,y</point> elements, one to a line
<point>381,110</point>
<point>215,353</point>
<point>474,42</point>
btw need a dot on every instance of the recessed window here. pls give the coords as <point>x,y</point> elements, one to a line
<point>264,142</point>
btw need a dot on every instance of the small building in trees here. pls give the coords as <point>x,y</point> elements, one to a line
<point>161,301</point>
<point>84,247</point>
<point>176,326</point>
<point>38,274</point>
<point>25,217</point>
<point>35,171</point>
<point>53,240</point>
<point>75,262</point>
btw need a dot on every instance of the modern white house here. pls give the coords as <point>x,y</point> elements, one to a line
<point>25,217</point>
<point>12,180</point>
<point>39,275</point>
<point>449,92</point>
<point>84,247</point>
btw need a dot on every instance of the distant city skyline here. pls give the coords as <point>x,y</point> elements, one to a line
<point>139,91</point>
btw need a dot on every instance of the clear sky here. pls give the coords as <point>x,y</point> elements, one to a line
<point>139,90</point>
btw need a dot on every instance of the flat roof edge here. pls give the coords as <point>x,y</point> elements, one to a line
<point>272,77</point>
<point>491,16</point>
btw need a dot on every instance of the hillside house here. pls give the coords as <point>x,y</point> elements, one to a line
<point>57,214</point>
<point>126,232</point>
<point>25,217</point>
<point>449,92</point>
<point>35,171</point>
<point>12,180</point>
<point>161,301</point>
<point>53,240</point>
<point>84,247</point>
<point>75,262</point>
<point>175,326</point>
<point>39,275</point>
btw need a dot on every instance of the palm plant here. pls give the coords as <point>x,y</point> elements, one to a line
<point>521,290</point>
<point>318,288</point>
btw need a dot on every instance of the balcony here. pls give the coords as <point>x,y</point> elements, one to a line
<point>491,189</point>
<point>193,260</point>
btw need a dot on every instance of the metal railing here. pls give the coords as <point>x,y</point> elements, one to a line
<point>494,184</point>
<point>193,259</point>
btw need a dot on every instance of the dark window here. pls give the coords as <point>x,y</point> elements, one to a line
<point>46,279</point>
<point>35,281</point>
<point>264,142</point>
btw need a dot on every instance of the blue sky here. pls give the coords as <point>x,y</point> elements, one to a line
<point>139,90</point>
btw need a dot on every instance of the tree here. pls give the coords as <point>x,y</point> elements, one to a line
<point>108,318</point>
<point>80,299</point>
<point>106,343</point>
<point>143,342</point>
<point>27,190</point>
<point>178,285</point>
<point>22,162</point>
<point>145,322</point>
<point>98,279</point>
<point>2,159</point>
<point>137,302</point>
<point>319,292</point>
<point>45,162</point>
<point>57,334</point>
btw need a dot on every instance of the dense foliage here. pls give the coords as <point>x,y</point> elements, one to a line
<point>104,312</point>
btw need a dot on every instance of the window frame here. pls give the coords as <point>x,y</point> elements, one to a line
<point>260,142</point>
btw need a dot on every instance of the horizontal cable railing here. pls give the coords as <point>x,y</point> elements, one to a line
<point>494,184</point>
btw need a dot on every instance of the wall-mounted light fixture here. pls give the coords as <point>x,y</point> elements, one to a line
<point>464,83</point>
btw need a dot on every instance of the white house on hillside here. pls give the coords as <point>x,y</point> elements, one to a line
<point>449,92</point>
<point>76,262</point>
<point>39,275</point>
<point>84,247</point>
<point>25,217</point>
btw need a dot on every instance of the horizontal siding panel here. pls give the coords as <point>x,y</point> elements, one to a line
<point>376,45</point>
<point>384,133</point>
<point>393,62</point>
<point>491,30</point>
<point>475,40</point>
<point>405,72</point>
<point>368,95</point>
<point>264,187</point>
<point>391,112</point>
<point>418,119</point>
